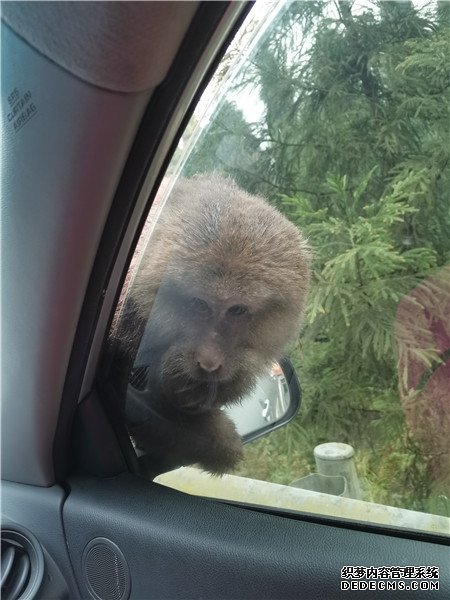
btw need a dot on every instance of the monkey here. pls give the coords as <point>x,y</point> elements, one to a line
<point>221,289</point>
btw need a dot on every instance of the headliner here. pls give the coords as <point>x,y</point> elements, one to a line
<point>120,46</point>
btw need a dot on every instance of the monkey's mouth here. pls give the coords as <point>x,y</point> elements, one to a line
<point>193,396</point>
<point>210,379</point>
<point>194,409</point>
<point>186,379</point>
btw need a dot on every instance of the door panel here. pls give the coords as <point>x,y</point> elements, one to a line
<point>180,546</point>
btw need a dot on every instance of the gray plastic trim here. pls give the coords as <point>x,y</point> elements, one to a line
<point>64,145</point>
<point>121,46</point>
<point>40,511</point>
<point>18,535</point>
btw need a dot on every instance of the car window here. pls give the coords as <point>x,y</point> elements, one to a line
<point>317,159</point>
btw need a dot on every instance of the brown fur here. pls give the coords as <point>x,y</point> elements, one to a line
<point>224,280</point>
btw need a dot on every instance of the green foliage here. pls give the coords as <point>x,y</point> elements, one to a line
<point>361,272</point>
<point>353,147</point>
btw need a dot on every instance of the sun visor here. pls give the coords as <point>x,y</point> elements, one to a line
<point>120,46</point>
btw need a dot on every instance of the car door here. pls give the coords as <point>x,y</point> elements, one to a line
<point>96,96</point>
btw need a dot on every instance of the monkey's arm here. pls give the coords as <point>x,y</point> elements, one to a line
<point>209,439</point>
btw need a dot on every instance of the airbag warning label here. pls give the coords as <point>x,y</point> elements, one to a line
<point>21,108</point>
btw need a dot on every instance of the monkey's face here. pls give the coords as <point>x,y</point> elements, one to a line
<point>212,341</point>
<point>232,275</point>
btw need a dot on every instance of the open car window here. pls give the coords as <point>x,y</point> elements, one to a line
<point>303,221</point>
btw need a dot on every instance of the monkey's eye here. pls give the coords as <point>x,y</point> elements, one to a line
<point>237,310</point>
<point>199,307</point>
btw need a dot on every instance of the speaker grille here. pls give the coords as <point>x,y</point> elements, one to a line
<point>105,570</point>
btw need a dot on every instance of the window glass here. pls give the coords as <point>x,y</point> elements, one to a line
<point>337,114</point>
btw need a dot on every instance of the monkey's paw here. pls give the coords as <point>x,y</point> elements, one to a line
<point>221,446</point>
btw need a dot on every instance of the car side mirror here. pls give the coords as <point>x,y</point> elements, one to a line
<point>273,403</point>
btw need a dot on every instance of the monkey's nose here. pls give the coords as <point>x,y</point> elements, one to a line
<point>209,361</point>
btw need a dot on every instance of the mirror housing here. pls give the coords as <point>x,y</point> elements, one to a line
<point>273,403</point>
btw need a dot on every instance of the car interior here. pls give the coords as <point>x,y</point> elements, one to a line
<point>95,97</point>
